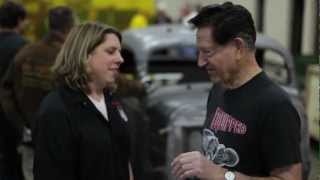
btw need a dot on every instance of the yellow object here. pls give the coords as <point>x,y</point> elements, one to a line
<point>147,6</point>
<point>100,4</point>
<point>58,3</point>
<point>138,21</point>
<point>32,7</point>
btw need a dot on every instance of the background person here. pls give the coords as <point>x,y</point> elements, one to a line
<point>29,78</point>
<point>12,23</point>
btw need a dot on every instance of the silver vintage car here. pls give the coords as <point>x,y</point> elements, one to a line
<point>164,57</point>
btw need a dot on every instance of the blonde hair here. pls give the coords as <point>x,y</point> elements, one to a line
<point>70,67</point>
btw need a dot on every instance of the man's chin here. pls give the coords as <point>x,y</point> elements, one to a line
<point>214,79</point>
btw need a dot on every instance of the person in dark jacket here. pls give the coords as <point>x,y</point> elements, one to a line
<point>81,130</point>
<point>12,22</point>
<point>29,78</point>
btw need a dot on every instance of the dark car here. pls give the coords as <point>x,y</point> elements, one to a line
<point>165,58</point>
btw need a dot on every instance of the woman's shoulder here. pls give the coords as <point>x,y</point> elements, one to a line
<point>52,102</point>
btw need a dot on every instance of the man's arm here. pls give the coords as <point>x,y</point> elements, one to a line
<point>292,172</point>
<point>194,164</point>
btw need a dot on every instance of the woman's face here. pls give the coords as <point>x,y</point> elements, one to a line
<point>104,62</point>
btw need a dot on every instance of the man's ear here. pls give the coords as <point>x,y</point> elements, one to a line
<point>239,43</point>
<point>240,46</point>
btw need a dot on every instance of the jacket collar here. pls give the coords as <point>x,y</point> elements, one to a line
<point>77,96</point>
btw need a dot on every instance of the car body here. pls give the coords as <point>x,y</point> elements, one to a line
<point>165,56</point>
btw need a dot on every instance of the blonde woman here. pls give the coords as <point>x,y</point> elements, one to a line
<point>81,130</point>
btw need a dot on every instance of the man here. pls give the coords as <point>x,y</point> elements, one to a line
<point>28,80</point>
<point>12,22</point>
<point>252,129</point>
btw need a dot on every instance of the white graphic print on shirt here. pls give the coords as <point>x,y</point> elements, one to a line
<point>216,152</point>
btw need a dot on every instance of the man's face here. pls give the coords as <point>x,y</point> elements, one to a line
<point>220,61</point>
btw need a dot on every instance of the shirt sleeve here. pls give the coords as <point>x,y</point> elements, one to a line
<point>280,144</point>
<point>55,149</point>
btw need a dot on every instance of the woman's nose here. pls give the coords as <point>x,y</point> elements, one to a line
<point>120,58</point>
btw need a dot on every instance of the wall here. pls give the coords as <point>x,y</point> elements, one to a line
<point>309,27</point>
<point>277,18</point>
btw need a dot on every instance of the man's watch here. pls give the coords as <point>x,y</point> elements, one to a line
<point>229,175</point>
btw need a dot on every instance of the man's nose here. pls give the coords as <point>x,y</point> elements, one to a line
<point>202,61</point>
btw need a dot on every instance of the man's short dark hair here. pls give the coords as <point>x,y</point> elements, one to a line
<point>11,14</point>
<point>61,19</point>
<point>227,21</point>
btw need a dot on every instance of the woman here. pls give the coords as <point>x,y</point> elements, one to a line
<point>81,132</point>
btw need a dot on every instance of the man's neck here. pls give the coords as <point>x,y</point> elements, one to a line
<point>245,77</point>
<point>246,72</point>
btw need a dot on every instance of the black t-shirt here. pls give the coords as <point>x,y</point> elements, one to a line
<point>252,129</point>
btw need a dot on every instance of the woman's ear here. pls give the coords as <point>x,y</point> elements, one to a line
<point>87,63</point>
<point>89,56</point>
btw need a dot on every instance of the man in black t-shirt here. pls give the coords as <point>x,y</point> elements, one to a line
<point>252,129</point>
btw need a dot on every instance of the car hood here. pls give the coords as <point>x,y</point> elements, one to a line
<point>184,103</point>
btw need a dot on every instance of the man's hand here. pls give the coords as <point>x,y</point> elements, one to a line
<point>194,164</point>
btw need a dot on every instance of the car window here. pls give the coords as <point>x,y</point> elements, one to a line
<point>186,52</point>
<point>129,66</point>
<point>179,65</point>
<point>178,62</point>
<point>274,65</point>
